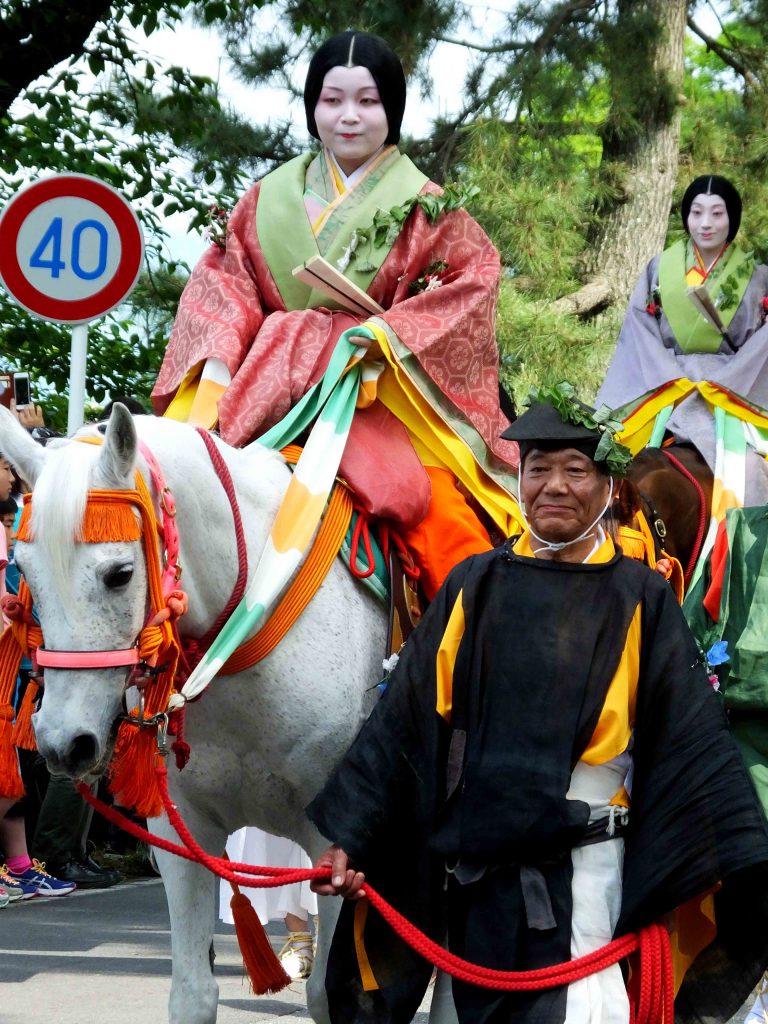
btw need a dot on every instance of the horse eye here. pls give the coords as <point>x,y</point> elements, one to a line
<point>118,577</point>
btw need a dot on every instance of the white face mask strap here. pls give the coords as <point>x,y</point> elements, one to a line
<point>548,545</point>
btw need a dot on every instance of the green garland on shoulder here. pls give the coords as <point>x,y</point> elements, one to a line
<point>387,224</point>
<point>730,292</point>
<point>611,451</point>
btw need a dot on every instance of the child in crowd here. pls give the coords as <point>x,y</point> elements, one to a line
<point>20,877</point>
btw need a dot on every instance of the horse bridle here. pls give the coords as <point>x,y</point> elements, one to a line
<point>656,523</point>
<point>142,669</point>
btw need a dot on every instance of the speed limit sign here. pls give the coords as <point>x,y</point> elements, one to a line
<point>70,250</point>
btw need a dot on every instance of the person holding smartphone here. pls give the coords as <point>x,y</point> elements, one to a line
<point>29,416</point>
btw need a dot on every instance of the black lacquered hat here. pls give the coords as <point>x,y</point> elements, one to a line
<point>555,418</point>
<point>542,422</point>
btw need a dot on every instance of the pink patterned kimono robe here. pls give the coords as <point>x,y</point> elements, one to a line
<point>231,309</point>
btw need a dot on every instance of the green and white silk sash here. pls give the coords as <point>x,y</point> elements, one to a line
<point>330,404</point>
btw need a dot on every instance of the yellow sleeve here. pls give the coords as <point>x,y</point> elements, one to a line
<point>617,719</point>
<point>446,658</point>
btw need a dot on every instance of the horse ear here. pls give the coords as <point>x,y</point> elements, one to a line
<point>117,459</point>
<point>25,455</point>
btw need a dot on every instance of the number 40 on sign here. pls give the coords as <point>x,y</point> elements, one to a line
<point>70,250</point>
<point>47,255</point>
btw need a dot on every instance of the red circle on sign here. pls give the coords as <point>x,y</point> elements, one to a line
<point>79,186</point>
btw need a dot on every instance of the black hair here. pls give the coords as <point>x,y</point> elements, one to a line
<point>359,49</point>
<point>713,184</point>
<point>8,506</point>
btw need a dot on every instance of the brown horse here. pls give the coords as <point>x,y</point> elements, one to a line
<point>674,488</point>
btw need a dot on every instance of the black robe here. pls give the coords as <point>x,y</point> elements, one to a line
<point>541,644</point>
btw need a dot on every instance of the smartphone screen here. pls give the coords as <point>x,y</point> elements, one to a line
<point>21,390</point>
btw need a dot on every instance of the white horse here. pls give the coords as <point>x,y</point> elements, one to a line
<point>263,741</point>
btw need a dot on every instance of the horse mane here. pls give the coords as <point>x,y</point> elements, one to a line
<point>61,493</point>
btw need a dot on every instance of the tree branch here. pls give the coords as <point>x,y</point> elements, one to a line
<point>725,55</point>
<point>35,38</point>
<point>499,48</point>
<point>561,17</point>
<point>588,300</point>
<point>541,43</point>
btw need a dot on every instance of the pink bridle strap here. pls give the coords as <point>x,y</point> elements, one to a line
<point>87,659</point>
<point>167,519</point>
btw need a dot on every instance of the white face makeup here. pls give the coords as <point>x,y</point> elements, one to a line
<point>708,225</point>
<point>350,117</point>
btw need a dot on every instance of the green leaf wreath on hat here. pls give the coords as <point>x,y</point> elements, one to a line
<point>562,397</point>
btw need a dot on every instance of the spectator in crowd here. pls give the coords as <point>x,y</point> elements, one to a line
<point>20,876</point>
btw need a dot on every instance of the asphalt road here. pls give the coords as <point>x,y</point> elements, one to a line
<point>103,957</point>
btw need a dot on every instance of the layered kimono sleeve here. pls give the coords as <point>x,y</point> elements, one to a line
<point>696,824</point>
<point>231,309</point>
<point>444,337</point>
<point>220,309</point>
<point>647,354</point>
<point>644,357</point>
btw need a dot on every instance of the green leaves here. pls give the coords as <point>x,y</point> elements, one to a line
<point>386,224</point>
<point>563,398</point>
<point>147,129</point>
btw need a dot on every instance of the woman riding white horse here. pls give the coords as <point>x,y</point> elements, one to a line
<point>250,338</point>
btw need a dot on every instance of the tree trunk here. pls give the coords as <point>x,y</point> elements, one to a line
<point>642,161</point>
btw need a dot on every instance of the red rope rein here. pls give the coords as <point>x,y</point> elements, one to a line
<point>702,513</point>
<point>655,1004</point>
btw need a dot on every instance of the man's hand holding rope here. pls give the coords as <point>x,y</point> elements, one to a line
<point>345,881</point>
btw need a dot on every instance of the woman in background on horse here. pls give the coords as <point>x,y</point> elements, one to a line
<point>676,369</point>
<point>250,339</point>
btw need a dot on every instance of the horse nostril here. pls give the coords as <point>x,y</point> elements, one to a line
<point>84,750</point>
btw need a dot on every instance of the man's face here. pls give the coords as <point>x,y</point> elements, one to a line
<point>8,520</point>
<point>6,479</point>
<point>564,492</point>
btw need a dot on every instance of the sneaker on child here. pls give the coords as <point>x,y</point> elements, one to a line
<point>44,883</point>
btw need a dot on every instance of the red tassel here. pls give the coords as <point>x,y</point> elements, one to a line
<point>265,971</point>
<point>11,786</point>
<point>180,747</point>
<point>23,733</point>
<point>132,771</point>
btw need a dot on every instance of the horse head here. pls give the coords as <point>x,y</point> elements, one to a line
<point>674,488</point>
<point>89,596</point>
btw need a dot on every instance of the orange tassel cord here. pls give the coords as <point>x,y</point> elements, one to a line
<point>111,515</point>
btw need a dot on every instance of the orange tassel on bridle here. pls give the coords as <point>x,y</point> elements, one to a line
<point>110,516</point>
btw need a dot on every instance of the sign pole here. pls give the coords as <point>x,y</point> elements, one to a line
<point>79,349</point>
